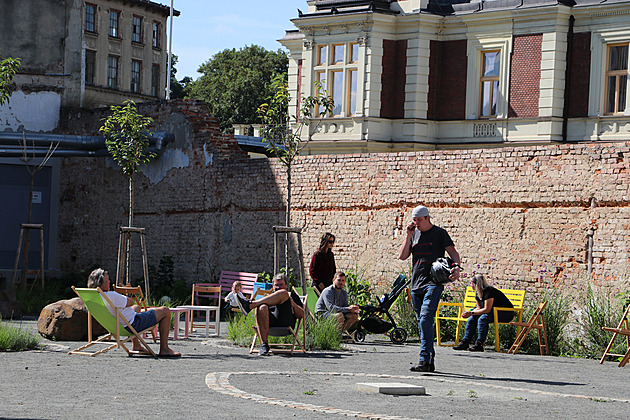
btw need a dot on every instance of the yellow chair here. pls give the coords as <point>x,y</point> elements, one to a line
<point>517,297</point>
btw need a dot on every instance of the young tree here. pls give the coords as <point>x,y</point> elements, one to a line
<point>283,132</point>
<point>8,68</point>
<point>234,82</point>
<point>127,141</point>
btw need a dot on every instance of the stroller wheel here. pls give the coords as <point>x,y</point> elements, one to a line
<point>398,335</point>
<point>359,336</point>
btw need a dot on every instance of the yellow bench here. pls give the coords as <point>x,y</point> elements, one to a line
<point>517,297</point>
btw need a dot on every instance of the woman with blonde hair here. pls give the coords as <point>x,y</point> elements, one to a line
<point>482,315</point>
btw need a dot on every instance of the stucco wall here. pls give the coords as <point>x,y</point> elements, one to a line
<point>521,214</point>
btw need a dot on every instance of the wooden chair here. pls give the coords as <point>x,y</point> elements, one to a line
<point>214,294</point>
<point>283,332</point>
<point>135,292</point>
<point>94,300</point>
<point>536,322</point>
<point>247,280</point>
<point>517,297</point>
<point>621,329</point>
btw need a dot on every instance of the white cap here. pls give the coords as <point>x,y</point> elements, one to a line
<point>420,211</point>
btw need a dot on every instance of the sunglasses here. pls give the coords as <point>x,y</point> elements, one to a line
<point>331,241</point>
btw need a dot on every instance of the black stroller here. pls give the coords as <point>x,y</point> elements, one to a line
<point>372,317</point>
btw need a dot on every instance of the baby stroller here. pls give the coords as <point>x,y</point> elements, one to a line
<point>372,317</point>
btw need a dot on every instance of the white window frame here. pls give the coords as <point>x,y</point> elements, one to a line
<point>600,40</point>
<point>475,47</point>
<point>344,68</point>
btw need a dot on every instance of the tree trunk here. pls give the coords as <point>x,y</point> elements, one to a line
<point>287,221</point>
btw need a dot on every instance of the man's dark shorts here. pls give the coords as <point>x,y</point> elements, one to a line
<point>143,320</point>
<point>282,315</point>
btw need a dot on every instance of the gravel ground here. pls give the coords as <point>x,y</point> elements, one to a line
<point>215,379</point>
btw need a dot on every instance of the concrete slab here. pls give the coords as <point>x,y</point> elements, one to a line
<point>391,388</point>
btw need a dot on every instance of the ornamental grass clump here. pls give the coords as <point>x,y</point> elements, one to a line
<point>323,334</point>
<point>15,338</point>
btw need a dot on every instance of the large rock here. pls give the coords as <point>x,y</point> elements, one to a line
<point>66,320</point>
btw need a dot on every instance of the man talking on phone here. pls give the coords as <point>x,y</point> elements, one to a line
<point>426,243</point>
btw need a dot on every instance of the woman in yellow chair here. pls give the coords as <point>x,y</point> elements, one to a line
<point>482,315</point>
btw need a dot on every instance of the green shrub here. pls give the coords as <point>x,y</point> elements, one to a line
<point>240,330</point>
<point>14,338</point>
<point>359,290</point>
<point>55,289</point>
<point>323,333</point>
<point>601,310</point>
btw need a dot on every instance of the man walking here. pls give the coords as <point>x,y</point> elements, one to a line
<point>426,242</point>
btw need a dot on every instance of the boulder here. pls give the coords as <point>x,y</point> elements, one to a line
<point>66,320</point>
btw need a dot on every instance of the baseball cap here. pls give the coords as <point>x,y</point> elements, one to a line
<point>420,211</point>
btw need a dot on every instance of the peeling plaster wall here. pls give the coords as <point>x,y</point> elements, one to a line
<point>32,112</point>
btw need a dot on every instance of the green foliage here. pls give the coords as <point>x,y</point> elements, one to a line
<point>8,69</point>
<point>126,137</point>
<point>14,338</point>
<point>323,333</point>
<point>240,330</point>
<point>55,289</point>
<point>359,289</point>
<point>234,82</point>
<point>601,310</point>
<point>265,277</point>
<point>406,317</point>
<point>178,89</point>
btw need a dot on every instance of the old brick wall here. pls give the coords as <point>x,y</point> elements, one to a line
<point>525,76</point>
<point>519,214</point>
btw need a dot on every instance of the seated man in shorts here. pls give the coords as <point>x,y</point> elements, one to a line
<point>334,302</point>
<point>138,320</point>
<point>279,309</point>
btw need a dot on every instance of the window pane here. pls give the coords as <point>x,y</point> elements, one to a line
<point>354,53</point>
<point>485,99</point>
<point>155,79</point>
<point>322,55</point>
<point>495,95</point>
<point>610,96</point>
<point>90,18</point>
<point>136,29</point>
<point>352,96</point>
<point>135,76</point>
<point>112,72</point>
<point>337,88</point>
<point>621,103</point>
<point>156,34</point>
<point>618,58</point>
<point>90,61</point>
<point>113,24</point>
<point>491,64</point>
<point>321,78</point>
<point>338,53</point>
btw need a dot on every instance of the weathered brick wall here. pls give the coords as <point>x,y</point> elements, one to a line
<point>447,80</point>
<point>520,214</point>
<point>525,76</point>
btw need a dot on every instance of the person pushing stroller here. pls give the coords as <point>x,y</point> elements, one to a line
<point>426,242</point>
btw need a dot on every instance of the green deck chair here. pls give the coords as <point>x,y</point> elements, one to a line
<point>94,302</point>
<point>312,298</point>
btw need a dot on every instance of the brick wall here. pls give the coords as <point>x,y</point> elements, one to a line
<point>519,214</point>
<point>580,75</point>
<point>447,80</point>
<point>525,76</point>
<point>393,78</point>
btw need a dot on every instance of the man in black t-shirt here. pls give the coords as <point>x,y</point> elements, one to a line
<point>279,309</point>
<point>426,242</point>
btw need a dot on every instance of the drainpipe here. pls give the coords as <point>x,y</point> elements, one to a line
<point>567,78</point>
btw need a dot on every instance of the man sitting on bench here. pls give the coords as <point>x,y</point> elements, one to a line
<point>138,320</point>
<point>279,309</point>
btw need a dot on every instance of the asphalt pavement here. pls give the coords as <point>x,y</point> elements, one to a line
<point>217,380</point>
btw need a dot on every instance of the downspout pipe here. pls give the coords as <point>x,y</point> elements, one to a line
<point>567,80</point>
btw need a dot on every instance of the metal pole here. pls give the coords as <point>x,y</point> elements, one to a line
<point>170,54</point>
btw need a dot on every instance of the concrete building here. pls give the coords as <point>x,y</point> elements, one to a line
<point>421,74</point>
<point>78,54</point>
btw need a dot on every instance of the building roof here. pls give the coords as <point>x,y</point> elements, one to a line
<point>153,6</point>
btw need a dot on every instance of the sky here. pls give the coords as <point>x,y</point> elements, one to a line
<point>206,27</point>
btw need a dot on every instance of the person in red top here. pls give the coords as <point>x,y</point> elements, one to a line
<point>323,268</point>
